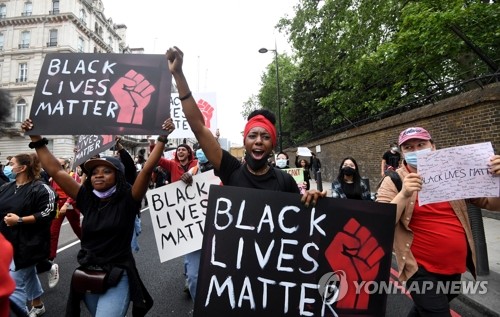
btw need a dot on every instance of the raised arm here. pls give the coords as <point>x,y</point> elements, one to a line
<point>51,164</point>
<point>195,118</point>
<point>142,181</point>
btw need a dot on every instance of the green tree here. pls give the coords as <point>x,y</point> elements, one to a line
<point>268,94</point>
<point>359,58</point>
<point>250,105</point>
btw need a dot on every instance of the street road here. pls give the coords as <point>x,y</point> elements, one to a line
<point>165,281</point>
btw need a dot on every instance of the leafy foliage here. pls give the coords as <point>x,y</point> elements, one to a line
<point>355,59</point>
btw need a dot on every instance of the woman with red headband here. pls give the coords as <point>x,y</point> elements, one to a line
<point>259,140</point>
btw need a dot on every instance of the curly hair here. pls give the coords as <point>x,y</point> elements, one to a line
<point>263,112</point>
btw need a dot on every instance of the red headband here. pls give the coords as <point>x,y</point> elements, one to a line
<point>261,122</point>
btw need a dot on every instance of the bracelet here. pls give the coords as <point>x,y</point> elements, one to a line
<point>38,144</point>
<point>185,97</point>
<point>163,139</point>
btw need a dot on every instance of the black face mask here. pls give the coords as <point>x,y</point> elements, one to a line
<point>255,165</point>
<point>348,171</point>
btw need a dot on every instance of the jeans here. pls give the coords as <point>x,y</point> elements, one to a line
<point>192,265</point>
<point>135,236</point>
<point>114,302</point>
<point>432,302</point>
<point>28,286</point>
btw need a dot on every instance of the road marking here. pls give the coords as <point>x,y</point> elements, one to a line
<point>78,241</point>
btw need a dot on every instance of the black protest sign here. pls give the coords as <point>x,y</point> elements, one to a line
<point>265,254</point>
<point>104,93</point>
<point>91,145</point>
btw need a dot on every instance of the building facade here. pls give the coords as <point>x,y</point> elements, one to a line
<point>29,30</point>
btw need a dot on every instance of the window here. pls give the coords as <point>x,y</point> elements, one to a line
<point>110,41</point>
<point>25,39</point>
<point>52,38</point>
<point>55,7</point>
<point>83,16</point>
<point>1,41</point>
<point>3,11</point>
<point>21,114</point>
<point>28,8</point>
<point>81,44</point>
<point>23,73</point>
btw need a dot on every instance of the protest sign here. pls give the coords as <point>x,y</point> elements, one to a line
<point>457,173</point>
<point>91,145</point>
<point>85,93</point>
<point>265,254</point>
<point>303,151</point>
<point>178,215</point>
<point>207,104</point>
<point>297,174</point>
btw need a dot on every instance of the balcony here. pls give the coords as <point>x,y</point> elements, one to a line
<point>54,11</point>
<point>26,13</point>
<point>52,44</point>
<point>24,45</point>
<point>21,80</point>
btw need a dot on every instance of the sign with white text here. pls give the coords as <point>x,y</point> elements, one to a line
<point>457,173</point>
<point>178,215</point>
<point>265,254</point>
<point>91,145</point>
<point>85,93</point>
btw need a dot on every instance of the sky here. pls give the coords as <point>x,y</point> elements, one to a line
<point>220,40</point>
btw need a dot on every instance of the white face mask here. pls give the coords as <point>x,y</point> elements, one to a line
<point>281,163</point>
<point>394,149</point>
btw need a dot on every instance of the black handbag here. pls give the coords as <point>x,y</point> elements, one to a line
<point>89,280</point>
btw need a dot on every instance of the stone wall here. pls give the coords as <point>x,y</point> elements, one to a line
<point>472,117</point>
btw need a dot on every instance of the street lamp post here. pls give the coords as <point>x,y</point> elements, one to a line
<point>278,100</point>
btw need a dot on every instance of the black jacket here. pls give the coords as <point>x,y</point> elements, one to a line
<point>31,242</point>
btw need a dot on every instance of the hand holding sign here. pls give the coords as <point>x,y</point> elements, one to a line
<point>356,252</point>
<point>133,93</point>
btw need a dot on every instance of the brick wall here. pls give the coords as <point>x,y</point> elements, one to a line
<point>471,117</point>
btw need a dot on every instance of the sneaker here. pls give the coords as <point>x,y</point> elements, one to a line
<point>53,276</point>
<point>35,312</point>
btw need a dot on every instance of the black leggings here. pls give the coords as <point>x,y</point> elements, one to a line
<point>431,296</point>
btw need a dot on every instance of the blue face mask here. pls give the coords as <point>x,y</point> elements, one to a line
<point>411,157</point>
<point>201,156</point>
<point>7,170</point>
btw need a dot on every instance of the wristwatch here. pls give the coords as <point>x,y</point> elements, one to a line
<point>19,220</point>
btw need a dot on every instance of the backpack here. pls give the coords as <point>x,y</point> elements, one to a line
<point>394,177</point>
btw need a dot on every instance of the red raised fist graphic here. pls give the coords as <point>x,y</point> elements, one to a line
<point>356,252</point>
<point>133,93</point>
<point>106,139</point>
<point>207,110</point>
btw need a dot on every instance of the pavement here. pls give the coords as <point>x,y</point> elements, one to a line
<point>486,303</point>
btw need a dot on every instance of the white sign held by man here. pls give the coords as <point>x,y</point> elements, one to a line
<point>459,172</point>
<point>178,215</point>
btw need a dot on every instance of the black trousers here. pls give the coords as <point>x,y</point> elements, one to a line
<point>432,293</point>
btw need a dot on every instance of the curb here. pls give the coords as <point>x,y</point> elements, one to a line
<point>480,308</point>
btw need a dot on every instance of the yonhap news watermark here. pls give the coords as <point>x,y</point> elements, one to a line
<point>333,286</point>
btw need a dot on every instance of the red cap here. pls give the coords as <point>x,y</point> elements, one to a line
<point>414,133</point>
